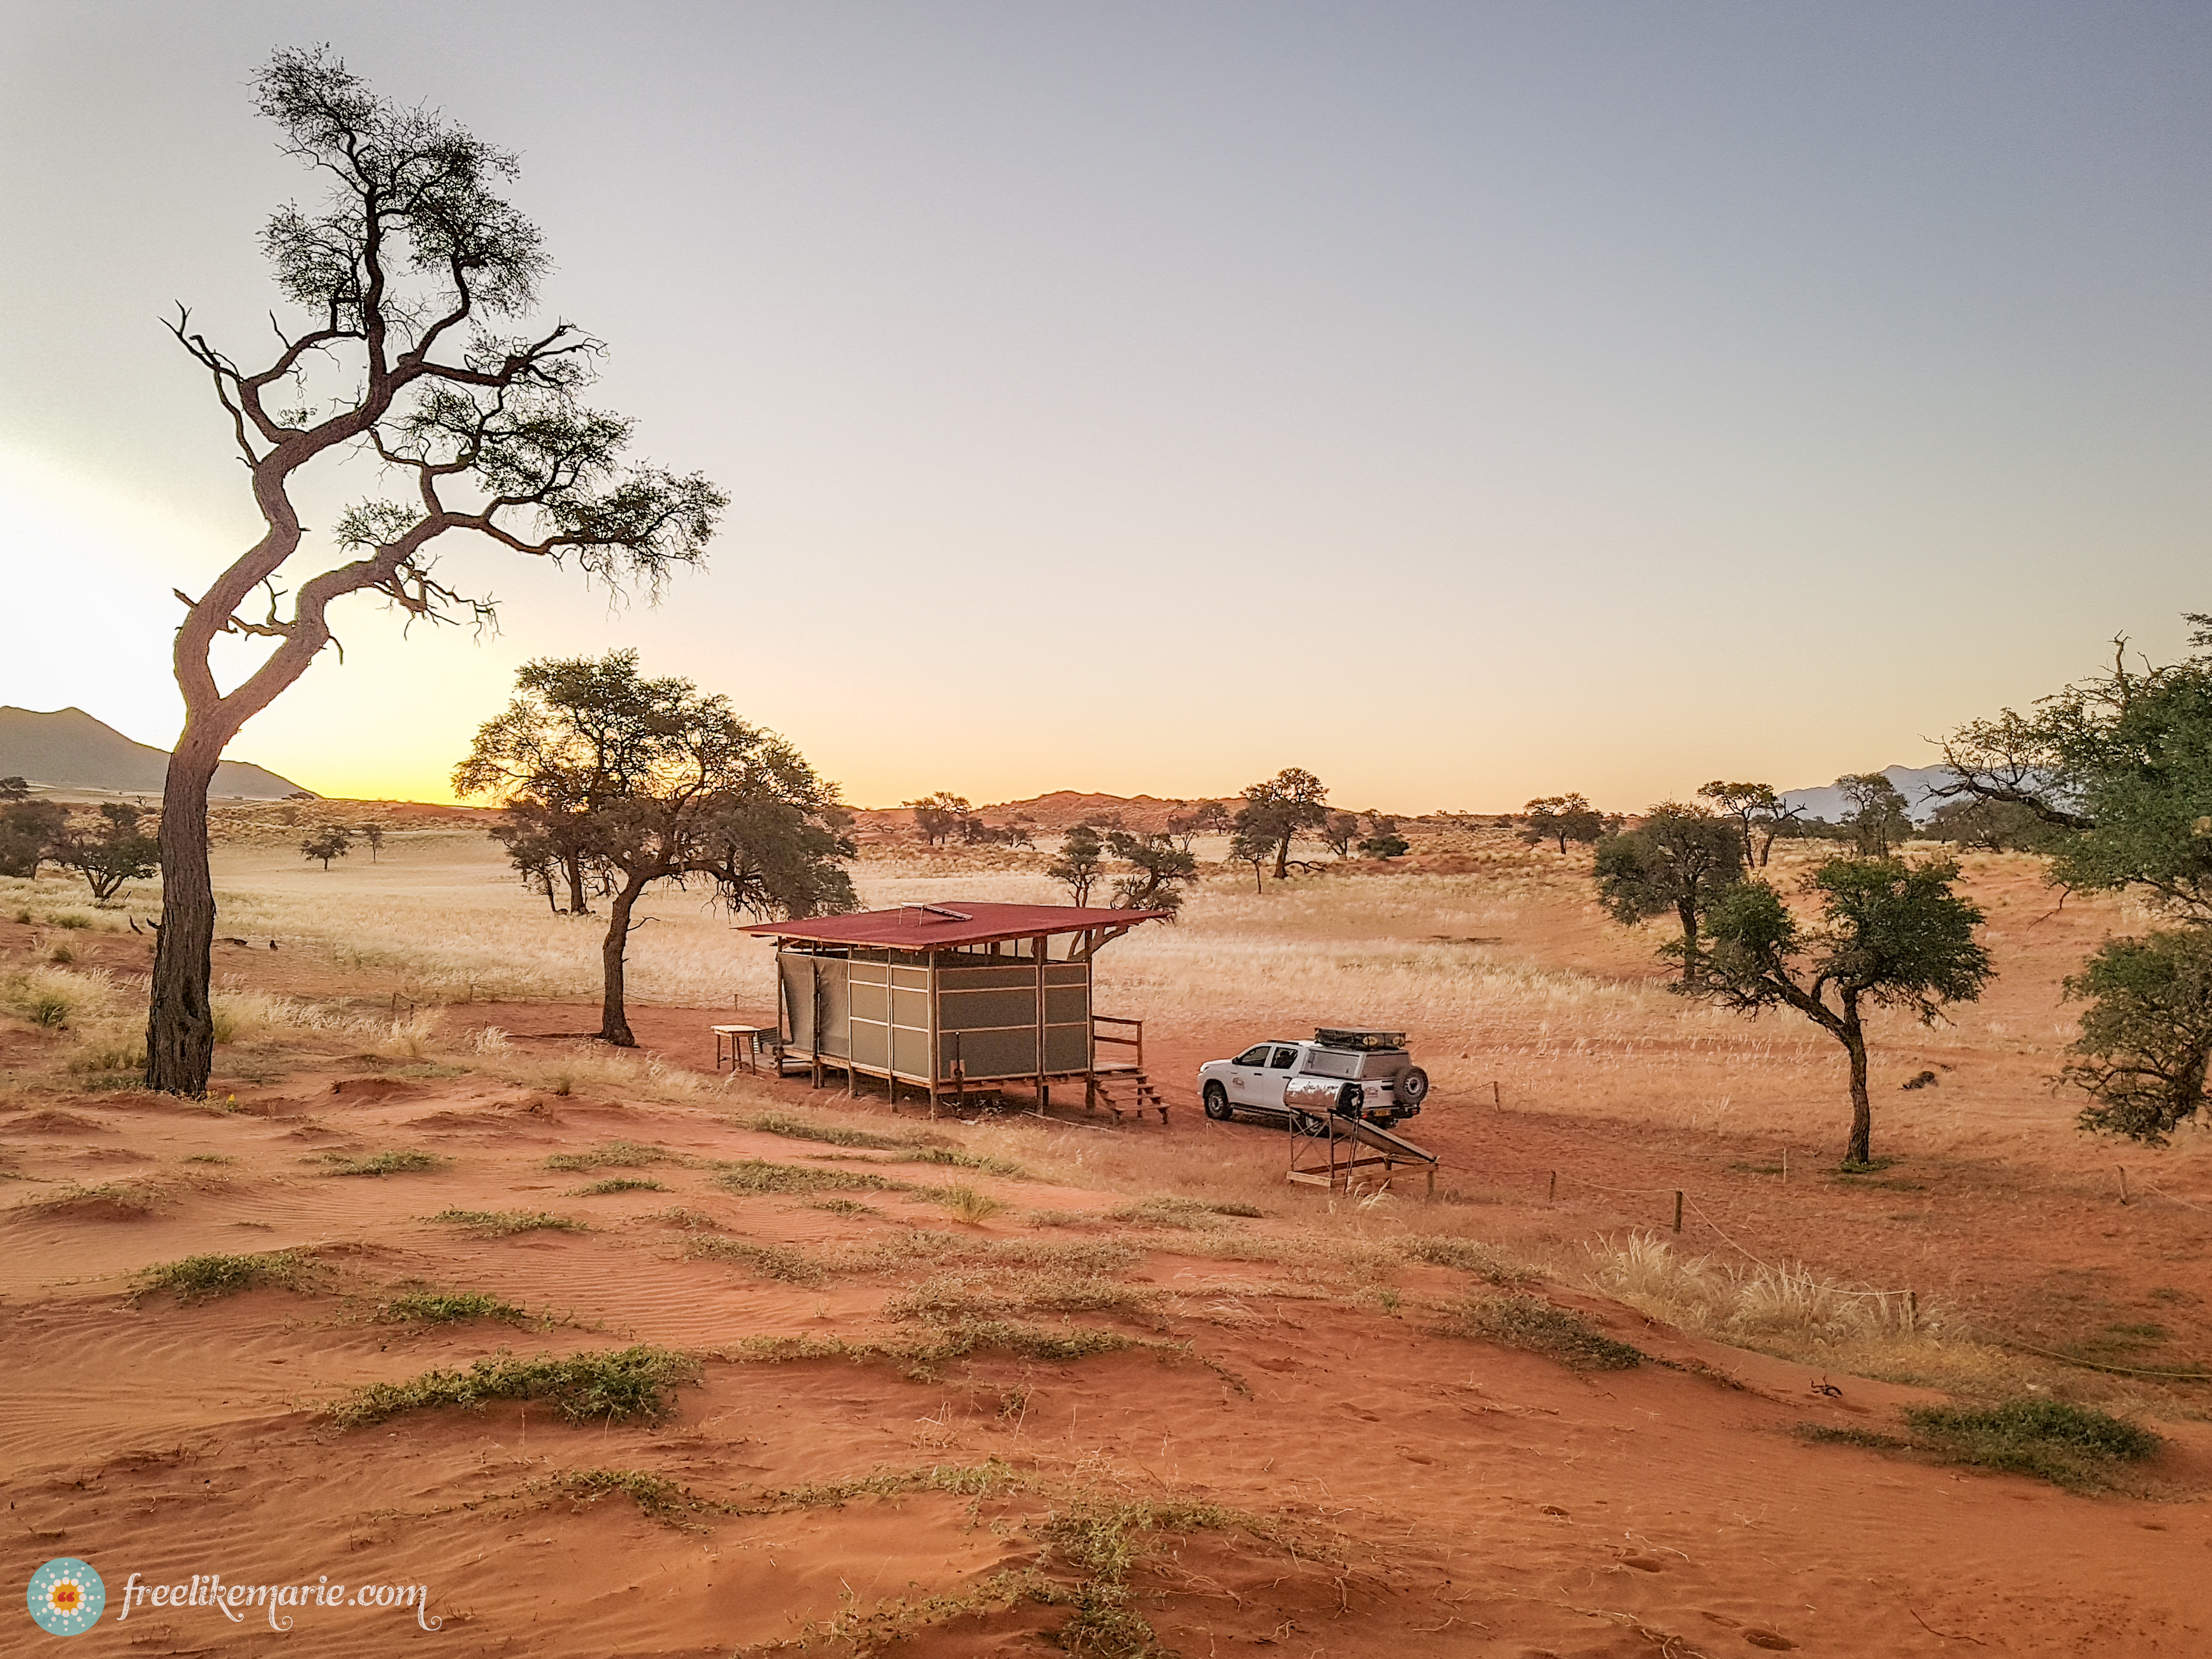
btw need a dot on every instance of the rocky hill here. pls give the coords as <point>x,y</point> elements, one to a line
<point>68,749</point>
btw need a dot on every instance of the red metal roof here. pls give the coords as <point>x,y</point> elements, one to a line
<point>935,927</point>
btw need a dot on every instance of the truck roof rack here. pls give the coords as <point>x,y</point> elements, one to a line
<point>1334,1037</point>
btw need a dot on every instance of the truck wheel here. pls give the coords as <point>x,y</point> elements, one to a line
<point>1217,1103</point>
<point>1412,1086</point>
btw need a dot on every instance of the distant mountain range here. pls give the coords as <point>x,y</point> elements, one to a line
<point>68,749</point>
<point>1914,783</point>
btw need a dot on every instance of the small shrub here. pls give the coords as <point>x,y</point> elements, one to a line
<point>47,1012</point>
<point>383,1164</point>
<point>61,955</point>
<point>610,1385</point>
<point>444,1307</point>
<point>754,1175</point>
<point>614,1155</point>
<point>73,920</point>
<point>617,1184</point>
<point>208,1157</point>
<point>1531,1323</point>
<point>2076,1446</point>
<point>509,1221</point>
<point>201,1278</point>
<point>840,1207</point>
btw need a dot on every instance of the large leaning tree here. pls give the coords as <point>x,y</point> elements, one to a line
<point>672,784</point>
<point>410,281</point>
<point>2115,772</point>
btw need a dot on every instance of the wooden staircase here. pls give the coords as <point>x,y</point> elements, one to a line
<point>1120,1092</point>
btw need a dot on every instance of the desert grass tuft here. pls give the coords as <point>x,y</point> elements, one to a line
<point>616,1184</point>
<point>768,1261</point>
<point>965,1202</point>
<point>503,1222</point>
<point>201,1278</point>
<point>444,1307</point>
<point>754,1175</point>
<point>2074,1446</point>
<point>614,1155</point>
<point>608,1386</point>
<point>953,1157</point>
<point>1536,1326</point>
<point>383,1164</point>
<point>828,1135</point>
<point>1469,1255</point>
<point>1183,1213</point>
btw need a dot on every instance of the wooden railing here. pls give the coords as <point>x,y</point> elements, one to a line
<point>1136,1042</point>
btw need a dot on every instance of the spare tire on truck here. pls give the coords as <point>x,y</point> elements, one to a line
<point>1413,1086</point>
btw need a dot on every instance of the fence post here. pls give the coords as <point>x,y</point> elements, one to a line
<point>1678,1210</point>
<point>1551,1195</point>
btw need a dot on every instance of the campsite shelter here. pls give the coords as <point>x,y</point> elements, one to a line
<point>946,997</point>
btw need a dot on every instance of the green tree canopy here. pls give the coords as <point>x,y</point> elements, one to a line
<point>2147,1035</point>
<point>1680,859</point>
<point>1876,818</point>
<point>1890,934</point>
<point>1562,819</point>
<point>1159,870</point>
<point>1080,863</point>
<point>1761,814</point>
<point>649,779</point>
<point>1289,805</point>
<point>114,855</point>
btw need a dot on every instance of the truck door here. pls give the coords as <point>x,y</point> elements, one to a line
<point>1247,1073</point>
<point>1269,1085</point>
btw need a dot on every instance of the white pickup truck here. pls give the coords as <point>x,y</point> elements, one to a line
<point>1351,1074</point>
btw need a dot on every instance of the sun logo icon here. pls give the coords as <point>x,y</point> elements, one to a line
<point>66,1596</point>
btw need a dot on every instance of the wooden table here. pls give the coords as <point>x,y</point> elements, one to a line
<point>739,1047</point>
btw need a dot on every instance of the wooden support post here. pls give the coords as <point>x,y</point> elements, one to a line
<point>1044,1091</point>
<point>1678,1211</point>
<point>1552,1194</point>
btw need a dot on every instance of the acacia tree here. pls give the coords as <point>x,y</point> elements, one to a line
<point>1681,859</point>
<point>331,841</point>
<point>1891,934</point>
<point>406,273</point>
<point>1760,812</point>
<point>1253,844</point>
<point>113,856</point>
<point>1338,830</point>
<point>683,786</point>
<point>941,816</point>
<point>1283,807</point>
<point>1159,870</point>
<point>2115,770</point>
<point>1877,820</point>
<point>1383,840</point>
<point>1081,862</point>
<point>31,833</point>
<point>1207,817</point>
<point>1562,819</point>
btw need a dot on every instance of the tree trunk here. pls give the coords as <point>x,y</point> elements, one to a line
<point>180,1024</point>
<point>1860,1150</point>
<point>1692,969</point>
<point>614,1022</point>
<point>1283,859</point>
<point>572,867</point>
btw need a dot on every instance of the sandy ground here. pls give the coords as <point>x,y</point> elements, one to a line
<point>1381,1488</point>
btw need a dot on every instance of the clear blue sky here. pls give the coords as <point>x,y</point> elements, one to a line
<point>1467,402</point>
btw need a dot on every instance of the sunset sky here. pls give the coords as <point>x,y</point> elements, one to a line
<point>1467,402</point>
